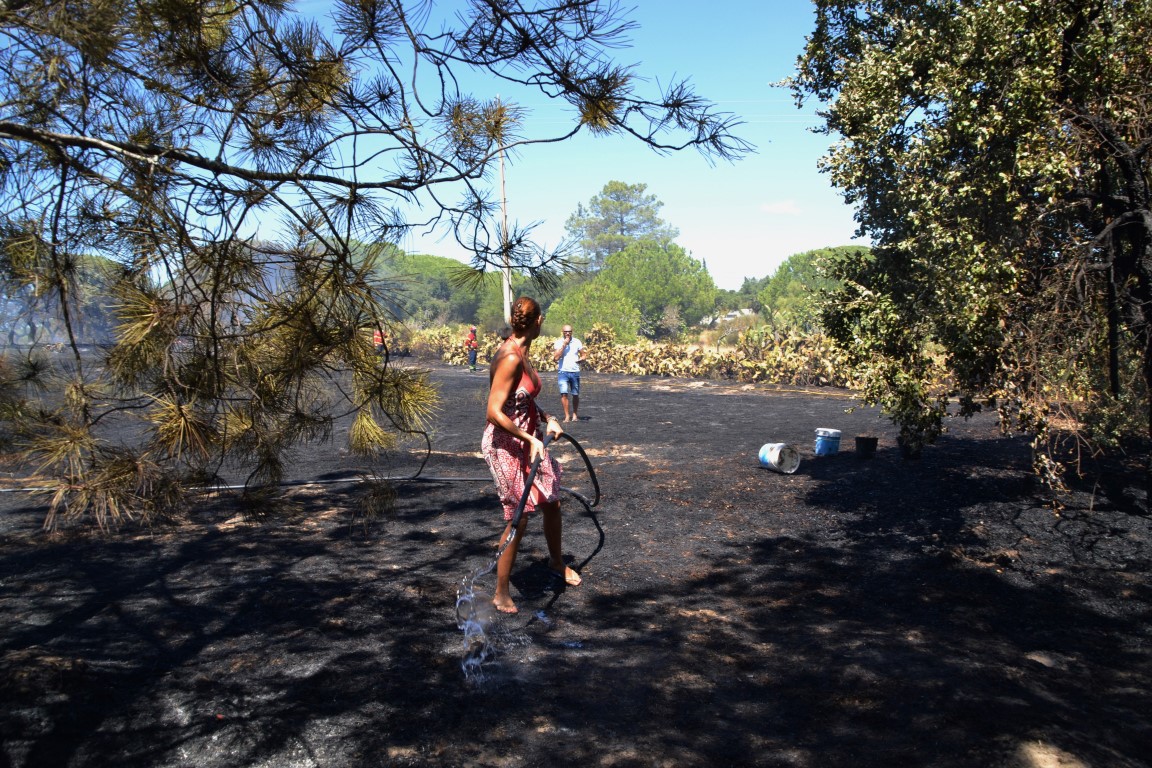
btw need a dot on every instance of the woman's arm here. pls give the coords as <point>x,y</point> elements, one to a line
<point>506,371</point>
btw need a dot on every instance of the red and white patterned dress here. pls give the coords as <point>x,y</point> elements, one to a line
<point>508,455</point>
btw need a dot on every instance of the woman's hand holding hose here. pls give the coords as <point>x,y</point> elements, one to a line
<point>536,449</point>
<point>552,427</point>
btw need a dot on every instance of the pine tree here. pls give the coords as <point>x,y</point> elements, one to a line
<point>227,158</point>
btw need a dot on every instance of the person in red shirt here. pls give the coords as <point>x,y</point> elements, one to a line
<point>472,346</point>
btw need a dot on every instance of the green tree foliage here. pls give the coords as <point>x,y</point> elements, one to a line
<point>748,297</point>
<point>432,290</point>
<point>620,215</point>
<point>597,302</point>
<point>728,300</point>
<point>998,155</point>
<point>164,135</point>
<point>791,296</point>
<point>669,288</point>
<point>490,313</point>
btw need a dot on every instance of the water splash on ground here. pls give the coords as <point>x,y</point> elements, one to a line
<point>475,615</point>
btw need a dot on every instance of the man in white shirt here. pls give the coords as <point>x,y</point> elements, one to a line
<point>569,353</point>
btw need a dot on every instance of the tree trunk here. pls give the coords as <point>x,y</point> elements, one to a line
<point>1113,312</point>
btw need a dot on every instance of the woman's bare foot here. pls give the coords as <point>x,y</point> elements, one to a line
<point>505,605</point>
<point>571,578</point>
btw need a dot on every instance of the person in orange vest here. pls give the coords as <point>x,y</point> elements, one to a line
<point>378,341</point>
<point>472,346</point>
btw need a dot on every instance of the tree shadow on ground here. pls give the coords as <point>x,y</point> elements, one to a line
<point>858,613</point>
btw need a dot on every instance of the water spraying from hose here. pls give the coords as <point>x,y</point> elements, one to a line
<point>475,612</point>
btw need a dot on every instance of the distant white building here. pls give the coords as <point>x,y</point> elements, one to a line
<point>733,315</point>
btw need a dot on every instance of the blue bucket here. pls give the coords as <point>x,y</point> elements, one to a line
<point>827,441</point>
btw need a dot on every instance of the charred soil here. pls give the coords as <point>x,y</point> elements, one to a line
<point>942,611</point>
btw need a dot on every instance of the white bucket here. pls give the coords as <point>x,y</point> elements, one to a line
<point>827,441</point>
<point>780,457</point>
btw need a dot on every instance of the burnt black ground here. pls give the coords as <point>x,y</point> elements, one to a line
<point>882,612</point>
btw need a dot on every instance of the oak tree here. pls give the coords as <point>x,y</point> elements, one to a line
<point>998,154</point>
<point>670,289</point>
<point>595,302</point>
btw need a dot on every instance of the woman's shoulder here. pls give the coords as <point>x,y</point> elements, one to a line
<point>507,354</point>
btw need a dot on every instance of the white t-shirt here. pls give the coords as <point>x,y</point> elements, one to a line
<point>570,361</point>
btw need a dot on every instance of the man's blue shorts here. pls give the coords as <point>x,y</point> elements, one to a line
<point>569,382</point>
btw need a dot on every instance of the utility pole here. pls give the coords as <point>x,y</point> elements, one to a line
<point>504,243</point>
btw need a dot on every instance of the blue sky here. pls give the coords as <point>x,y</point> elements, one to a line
<point>741,219</point>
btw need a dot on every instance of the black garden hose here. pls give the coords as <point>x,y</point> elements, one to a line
<point>591,473</point>
<point>532,477</point>
<point>528,485</point>
<point>465,595</point>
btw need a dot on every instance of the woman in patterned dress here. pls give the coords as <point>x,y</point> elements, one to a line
<point>511,443</point>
